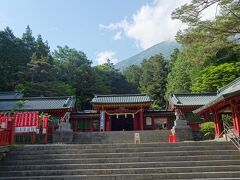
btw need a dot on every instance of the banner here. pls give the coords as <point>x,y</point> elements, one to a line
<point>102,120</point>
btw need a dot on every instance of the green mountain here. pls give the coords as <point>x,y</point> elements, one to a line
<point>165,47</point>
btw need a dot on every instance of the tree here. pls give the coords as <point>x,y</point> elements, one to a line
<point>116,82</point>
<point>75,70</point>
<point>133,74</point>
<point>226,23</point>
<point>179,79</point>
<point>209,37</point>
<point>153,79</point>
<point>28,43</point>
<point>49,89</point>
<point>215,77</point>
<point>10,59</point>
<point>41,48</point>
<point>40,69</point>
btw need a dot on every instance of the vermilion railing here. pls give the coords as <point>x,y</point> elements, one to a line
<point>23,128</point>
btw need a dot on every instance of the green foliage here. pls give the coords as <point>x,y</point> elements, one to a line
<point>205,43</point>
<point>132,74</point>
<point>227,118</point>
<point>179,78</point>
<point>208,129</point>
<point>54,88</point>
<point>153,79</point>
<point>214,77</point>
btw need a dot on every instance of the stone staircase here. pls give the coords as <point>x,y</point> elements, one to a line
<point>111,137</point>
<point>183,160</point>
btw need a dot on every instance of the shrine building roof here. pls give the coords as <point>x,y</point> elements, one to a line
<point>37,103</point>
<point>231,89</point>
<point>191,99</point>
<point>121,99</point>
<point>11,95</point>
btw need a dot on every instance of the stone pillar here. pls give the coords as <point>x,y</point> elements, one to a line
<point>235,117</point>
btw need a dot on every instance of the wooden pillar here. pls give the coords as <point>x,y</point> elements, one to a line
<point>141,120</point>
<point>76,125</point>
<point>107,122</point>
<point>91,124</point>
<point>135,123</point>
<point>235,117</point>
<point>206,116</point>
<point>218,124</point>
<point>12,131</point>
<point>110,123</point>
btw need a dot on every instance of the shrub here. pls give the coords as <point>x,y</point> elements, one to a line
<point>208,129</point>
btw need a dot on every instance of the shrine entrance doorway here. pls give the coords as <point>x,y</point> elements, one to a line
<point>122,123</point>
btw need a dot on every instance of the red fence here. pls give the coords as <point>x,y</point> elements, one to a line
<point>23,128</point>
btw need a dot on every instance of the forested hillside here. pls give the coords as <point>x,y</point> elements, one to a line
<point>27,65</point>
<point>209,58</point>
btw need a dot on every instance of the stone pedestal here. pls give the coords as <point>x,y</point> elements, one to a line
<point>182,130</point>
<point>64,134</point>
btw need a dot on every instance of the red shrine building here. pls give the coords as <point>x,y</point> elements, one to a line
<point>54,106</point>
<point>226,102</point>
<point>124,112</point>
<point>185,103</point>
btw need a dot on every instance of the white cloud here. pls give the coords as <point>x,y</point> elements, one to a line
<point>117,36</point>
<point>103,56</point>
<point>152,23</point>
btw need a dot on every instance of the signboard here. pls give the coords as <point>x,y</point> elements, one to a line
<point>102,120</point>
<point>148,121</point>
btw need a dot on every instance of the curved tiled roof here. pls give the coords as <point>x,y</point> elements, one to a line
<point>191,99</point>
<point>231,89</point>
<point>11,95</point>
<point>121,99</point>
<point>38,103</point>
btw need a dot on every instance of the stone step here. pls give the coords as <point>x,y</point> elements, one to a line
<point>230,175</point>
<point>121,160</point>
<point>120,136</point>
<point>122,145</point>
<point>124,155</point>
<point>151,170</point>
<point>119,165</point>
<point>117,150</point>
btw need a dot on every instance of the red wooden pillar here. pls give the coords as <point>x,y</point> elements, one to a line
<point>107,124</point>
<point>110,123</point>
<point>12,130</point>
<point>218,124</point>
<point>235,117</point>
<point>206,116</point>
<point>135,123</point>
<point>141,120</point>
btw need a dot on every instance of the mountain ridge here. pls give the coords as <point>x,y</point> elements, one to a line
<point>164,47</point>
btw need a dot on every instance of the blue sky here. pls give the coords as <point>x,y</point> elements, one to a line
<point>100,28</point>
